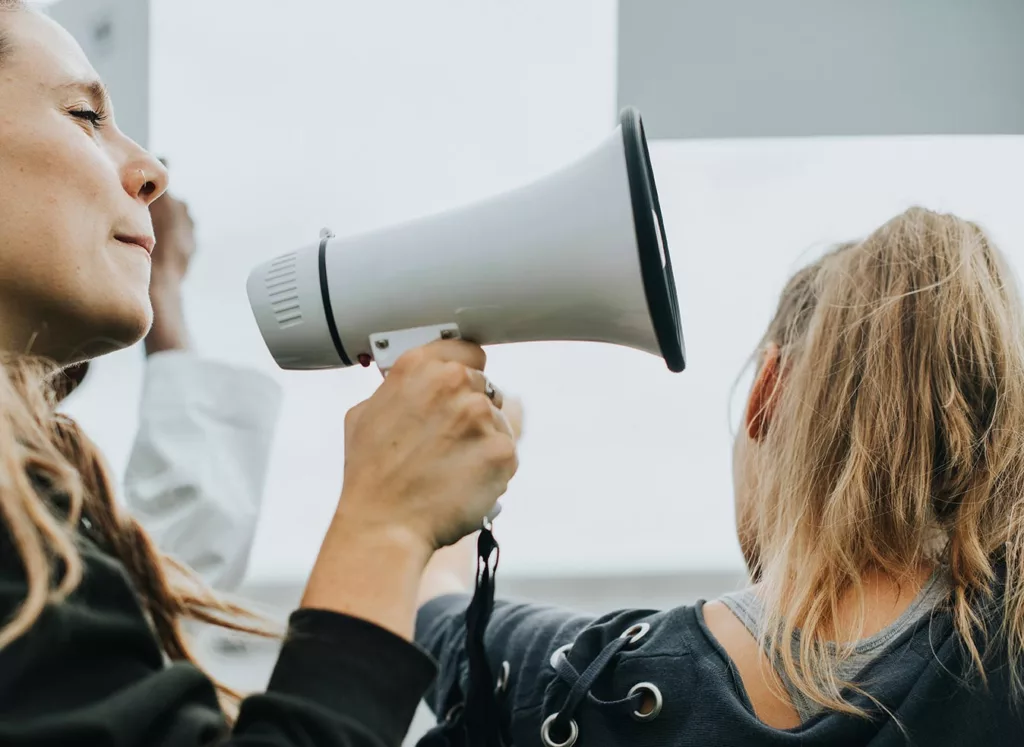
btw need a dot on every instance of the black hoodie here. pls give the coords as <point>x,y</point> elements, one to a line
<point>89,672</point>
<point>583,669</point>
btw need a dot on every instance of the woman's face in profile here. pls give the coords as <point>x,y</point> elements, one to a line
<point>75,231</point>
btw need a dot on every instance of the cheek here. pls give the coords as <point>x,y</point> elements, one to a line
<point>58,256</point>
<point>60,196</point>
<point>57,187</point>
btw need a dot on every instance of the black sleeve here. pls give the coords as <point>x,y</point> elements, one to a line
<point>524,635</point>
<point>90,672</point>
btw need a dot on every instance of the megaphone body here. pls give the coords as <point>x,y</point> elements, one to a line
<point>579,255</point>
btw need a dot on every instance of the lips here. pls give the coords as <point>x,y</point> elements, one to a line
<point>145,242</point>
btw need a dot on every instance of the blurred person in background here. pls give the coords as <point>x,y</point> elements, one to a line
<point>195,478</point>
<point>879,489</point>
<point>91,650</point>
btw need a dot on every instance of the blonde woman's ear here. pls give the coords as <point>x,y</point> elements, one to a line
<point>764,394</point>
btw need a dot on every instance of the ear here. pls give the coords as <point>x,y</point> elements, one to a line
<point>763,395</point>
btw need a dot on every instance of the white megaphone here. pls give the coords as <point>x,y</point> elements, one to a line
<point>578,255</point>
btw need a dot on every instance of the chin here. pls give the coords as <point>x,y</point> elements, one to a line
<point>114,331</point>
<point>130,330</point>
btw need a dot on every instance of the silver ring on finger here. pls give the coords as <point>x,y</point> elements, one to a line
<point>494,394</point>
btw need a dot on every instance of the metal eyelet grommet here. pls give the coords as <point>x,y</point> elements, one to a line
<point>545,733</point>
<point>559,653</point>
<point>647,688</point>
<point>636,633</point>
<point>502,684</point>
<point>453,713</point>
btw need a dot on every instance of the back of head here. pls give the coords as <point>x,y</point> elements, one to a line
<point>896,432</point>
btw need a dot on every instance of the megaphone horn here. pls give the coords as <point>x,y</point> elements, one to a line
<point>579,255</point>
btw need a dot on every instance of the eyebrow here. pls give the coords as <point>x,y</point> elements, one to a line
<point>92,88</point>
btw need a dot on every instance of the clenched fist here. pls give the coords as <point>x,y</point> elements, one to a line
<point>429,452</point>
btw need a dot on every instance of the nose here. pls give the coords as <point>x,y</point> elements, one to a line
<point>144,178</point>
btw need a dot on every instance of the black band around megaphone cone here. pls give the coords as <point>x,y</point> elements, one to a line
<point>659,282</point>
<point>325,294</point>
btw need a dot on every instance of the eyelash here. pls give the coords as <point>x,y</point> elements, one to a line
<point>96,119</point>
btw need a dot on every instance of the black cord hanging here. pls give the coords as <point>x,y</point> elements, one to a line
<point>479,721</point>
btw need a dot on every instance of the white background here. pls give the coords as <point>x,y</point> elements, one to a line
<point>282,118</point>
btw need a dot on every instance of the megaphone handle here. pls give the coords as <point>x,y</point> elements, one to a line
<point>388,347</point>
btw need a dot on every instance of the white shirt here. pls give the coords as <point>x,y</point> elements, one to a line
<point>198,466</point>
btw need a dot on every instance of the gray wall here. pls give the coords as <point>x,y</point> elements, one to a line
<point>115,36</point>
<point>781,68</point>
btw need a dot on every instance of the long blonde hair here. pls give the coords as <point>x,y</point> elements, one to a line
<point>896,441</point>
<point>52,478</point>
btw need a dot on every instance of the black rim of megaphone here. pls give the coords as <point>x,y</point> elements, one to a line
<point>659,282</point>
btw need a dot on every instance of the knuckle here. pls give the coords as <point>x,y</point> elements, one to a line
<point>453,376</point>
<point>478,409</point>
<point>409,361</point>
<point>502,452</point>
<point>513,465</point>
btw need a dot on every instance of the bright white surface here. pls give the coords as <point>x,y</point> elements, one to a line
<point>556,260</point>
<point>278,122</point>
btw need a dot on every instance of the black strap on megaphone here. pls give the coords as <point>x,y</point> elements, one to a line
<point>479,721</point>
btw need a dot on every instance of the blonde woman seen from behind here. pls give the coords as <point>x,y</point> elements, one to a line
<point>879,488</point>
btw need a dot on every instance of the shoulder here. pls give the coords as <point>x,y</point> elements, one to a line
<point>613,675</point>
<point>634,667</point>
<point>642,640</point>
<point>640,633</point>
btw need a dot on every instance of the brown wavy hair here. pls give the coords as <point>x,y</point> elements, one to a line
<point>896,442</point>
<point>40,447</point>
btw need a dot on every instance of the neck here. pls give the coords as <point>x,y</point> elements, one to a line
<point>17,335</point>
<point>27,332</point>
<point>886,596</point>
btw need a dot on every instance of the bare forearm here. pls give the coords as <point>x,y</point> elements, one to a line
<point>450,571</point>
<point>169,331</point>
<point>372,574</point>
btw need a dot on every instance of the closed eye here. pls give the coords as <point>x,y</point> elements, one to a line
<point>95,118</point>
